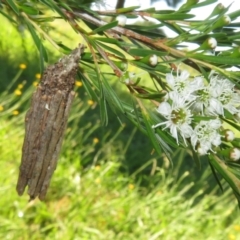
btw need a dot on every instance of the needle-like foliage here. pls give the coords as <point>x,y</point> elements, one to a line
<point>179,98</point>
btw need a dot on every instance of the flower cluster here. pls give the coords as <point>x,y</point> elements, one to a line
<point>192,109</point>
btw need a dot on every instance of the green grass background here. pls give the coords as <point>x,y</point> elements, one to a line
<point>108,184</point>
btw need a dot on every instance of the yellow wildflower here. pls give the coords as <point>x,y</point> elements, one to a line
<point>131,186</point>
<point>35,83</point>
<point>231,237</point>
<point>18,92</point>
<point>22,66</point>
<point>237,227</point>
<point>78,83</point>
<point>97,180</point>
<point>15,112</point>
<point>38,75</point>
<point>95,140</point>
<point>1,108</point>
<point>20,86</point>
<point>90,102</point>
<point>97,168</point>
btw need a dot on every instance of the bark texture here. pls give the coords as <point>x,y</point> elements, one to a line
<point>45,124</point>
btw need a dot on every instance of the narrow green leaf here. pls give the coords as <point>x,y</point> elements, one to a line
<point>167,150</point>
<point>161,68</point>
<point>165,11</point>
<point>8,17</point>
<point>165,142</point>
<point>231,123</point>
<point>195,157</point>
<point>29,10</point>
<point>233,37</point>
<point>234,170</point>
<point>103,110</point>
<point>136,113</point>
<point>236,142</point>
<point>151,133</point>
<point>204,3</point>
<point>86,56</point>
<point>38,18</point>
<point>174,27</point>
<point>144,52</point>
<point>128,9</point>
<point>44,52</point>
<point>168,139</point>
<point>105,27</point>
<point>146,32</point>
<point>41,59</point>
<point>216,59</point>
<point>155,96</point>
<point>188,5</point>
<point>38,43</point>
<point>174,16</point>
<point>147,28</point>
<point>54,7</point>
<point>234,15</point>
<point>110,49</point>
<point>89,89</point>
<point>102,100</point>
<point>66,6</point>
<point>215,175</point>
<point>13,6</point>
<point>111,95</point>
<point>204,73</point>
<point>222,168</point>
<point>47,3</point>
<point>106,40</point>
<point>34,35</point>
<point>152,9</point>
<point>65,49</point>
<point>203,118</point>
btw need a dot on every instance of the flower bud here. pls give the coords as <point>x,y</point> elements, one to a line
<point>235,154</point>
<point>217,10</point>
<point>122,19</point>
<point>223,21</point>
<point>229,135</point>
<point>212,42</point>
<point>188,4</point>
<point>208,44</point>
<point>151,60</point>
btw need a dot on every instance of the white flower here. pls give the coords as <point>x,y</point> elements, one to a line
<point>202,101</point>
<point>178,116</point>
<point>223,91</point>
<point>205,135</point>
<point>219,94</point>
<point>183,85</point>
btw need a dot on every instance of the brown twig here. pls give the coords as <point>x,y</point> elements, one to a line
<point>155,43</point>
